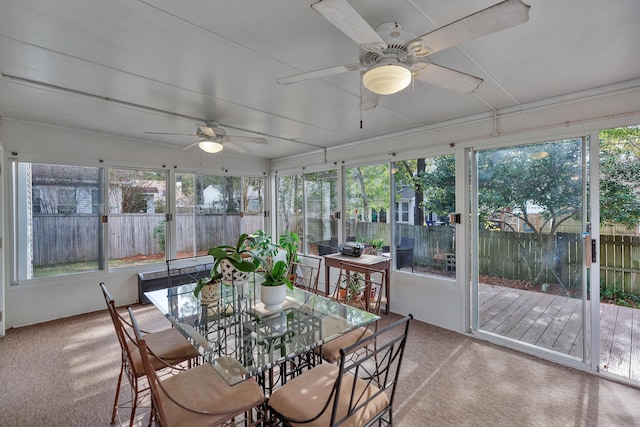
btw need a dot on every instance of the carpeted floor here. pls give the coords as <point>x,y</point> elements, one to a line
<point>64,373</point>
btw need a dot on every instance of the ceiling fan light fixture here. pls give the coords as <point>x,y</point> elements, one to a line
<point>387,79</point>
<point>210,146</point>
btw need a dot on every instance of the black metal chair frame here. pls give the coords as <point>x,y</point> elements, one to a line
<point>404,253</point>
<point>379,368</point>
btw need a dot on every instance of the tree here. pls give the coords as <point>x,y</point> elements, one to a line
<point>367,189</point>
<point>620,176</point>
<point>544,178</point>
<point>438,181</point>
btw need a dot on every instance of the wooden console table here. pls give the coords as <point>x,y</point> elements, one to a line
<point>367,261</point>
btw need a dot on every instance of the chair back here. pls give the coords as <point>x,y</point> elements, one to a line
<point>361,287</point>
<point>370,380</point>
<point>125,339</point>
<point>406,242</point>
<point>306,272</point>
<point>157,408</point>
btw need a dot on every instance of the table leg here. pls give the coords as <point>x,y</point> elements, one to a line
<point>387,289</point>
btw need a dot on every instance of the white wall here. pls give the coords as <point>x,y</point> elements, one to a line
<point>432,300</point>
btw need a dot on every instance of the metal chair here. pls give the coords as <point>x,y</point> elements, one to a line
<point>363,289</point>
<point>199,396</point>
<point>170,347</point>
<point>404,253</point>
<point>354,393</point>
<point>305,272</point>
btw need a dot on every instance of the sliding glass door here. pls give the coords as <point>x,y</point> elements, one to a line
<point>530,266</point>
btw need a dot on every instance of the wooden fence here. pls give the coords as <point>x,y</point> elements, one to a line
<point>76,238</point>
<point>67,239</point>
<point>620,262</point>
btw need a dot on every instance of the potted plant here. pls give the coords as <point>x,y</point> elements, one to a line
<point>208,288</point>
<point>273,291</point>
<point>351,286</point>
<point>234,263</point>
<point>378,244</point>
<point>289,241</point>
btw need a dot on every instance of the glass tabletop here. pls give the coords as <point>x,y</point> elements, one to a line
<point>241,339</point>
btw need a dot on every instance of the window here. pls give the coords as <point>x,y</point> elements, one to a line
<point>66,200</point>
<point>307,205</point>
<point>402,212</point>
<point>366,190</point>
<point>214,210</point>
<point>290,205</point>
<point>55,224</point>
<point>321,203</point>
<point>425,195</point>
<point>253,202</point>
<point>137,203</point>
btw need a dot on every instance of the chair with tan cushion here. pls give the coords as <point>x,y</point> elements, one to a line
<point>199,396</point>
<point>363,290</point>
<point>351,393</point>
<point>169,345</point>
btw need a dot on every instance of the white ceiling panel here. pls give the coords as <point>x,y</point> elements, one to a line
<point>128,67</point>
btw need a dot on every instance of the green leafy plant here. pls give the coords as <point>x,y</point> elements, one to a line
<point>240,255</point>
<point>377,243</point>
<point>289,241</point>
<point>615,294</point>
<point>277,275</point>
<point>263,246</point>
<point>159,234</point>
<point>353,285</point>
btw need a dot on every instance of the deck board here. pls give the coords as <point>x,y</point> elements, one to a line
<point>634,371</point>
<point>555,322</point>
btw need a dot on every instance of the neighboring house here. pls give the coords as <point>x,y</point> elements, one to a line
<point>405,209</point>
<point>67,190</point>
<point>76,190</point>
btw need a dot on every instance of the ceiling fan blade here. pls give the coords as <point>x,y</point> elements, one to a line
<point>346,19</point>
<point>190,146</point>
<point>233,147</point>
<point>171,133</point>
<point>369,100</point>
<point>206,132</point>
<point>447,78</point>
<point>506,14</point>
<point>252,139</point>
<point>318,73</point>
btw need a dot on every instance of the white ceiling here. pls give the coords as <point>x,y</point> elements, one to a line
<point>126,67</point>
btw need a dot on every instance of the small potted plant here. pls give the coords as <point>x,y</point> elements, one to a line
<point>208,288</point>
<point>234,263</point>
<point>351,286</point>
<point>273,288</point>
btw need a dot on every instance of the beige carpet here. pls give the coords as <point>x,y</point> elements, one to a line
<point>63,373</point>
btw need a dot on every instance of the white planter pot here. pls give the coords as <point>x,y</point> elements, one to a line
<point>210,294</point>
<point>231,274</point>
<point>273,296</point>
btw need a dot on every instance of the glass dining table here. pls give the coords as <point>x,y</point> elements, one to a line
<point>241,339</point>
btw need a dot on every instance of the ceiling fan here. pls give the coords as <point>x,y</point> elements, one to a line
<point>391,57</point>
<point>215,139</point>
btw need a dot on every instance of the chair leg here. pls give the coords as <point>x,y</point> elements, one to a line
<point>134,404</point>
<point>115,402</point>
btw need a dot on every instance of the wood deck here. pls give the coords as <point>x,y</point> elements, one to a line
<point>555,322</point>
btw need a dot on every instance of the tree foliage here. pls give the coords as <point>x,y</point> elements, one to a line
<point>367,189</point>
<point>620,176</point>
